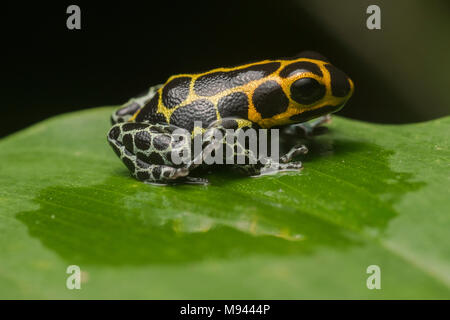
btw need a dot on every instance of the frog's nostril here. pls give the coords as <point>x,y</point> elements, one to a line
<point>340,85</point>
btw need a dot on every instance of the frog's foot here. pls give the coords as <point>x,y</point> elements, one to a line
<point>286,163</point>
<point>147,151</point>
<point>281,167</point>
<point>270,167</point>
<point>244,158</point>
<point>130,108</point>
<point>295,151</point>
<point>195,180</point>
<point>178,179</point>
<point>308,129</point>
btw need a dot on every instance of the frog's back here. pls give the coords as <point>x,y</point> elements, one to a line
<point>206,97</point>
<point>258,92</point>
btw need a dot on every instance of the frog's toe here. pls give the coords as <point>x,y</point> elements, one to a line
<point>195,180</point>
<point>295,151</point>
<point>281,167</point>
<point>291,166</point>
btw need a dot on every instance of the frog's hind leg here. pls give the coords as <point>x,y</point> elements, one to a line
<point>146,150</point>
<point>130,108</point>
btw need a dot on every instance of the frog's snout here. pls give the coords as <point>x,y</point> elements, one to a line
<point>341,85</point>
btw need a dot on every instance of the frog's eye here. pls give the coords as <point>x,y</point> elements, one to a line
<point>307,90</point>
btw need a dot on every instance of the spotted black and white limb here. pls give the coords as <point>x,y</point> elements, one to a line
<point>308,129</point>
<point>147,151</point>
<point>295,151</point>
<point>130,108</point>
<point>253,164</point>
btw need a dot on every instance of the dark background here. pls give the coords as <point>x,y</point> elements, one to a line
<point>125,47</point>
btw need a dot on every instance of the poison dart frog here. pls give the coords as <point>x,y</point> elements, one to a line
<point>265,94</point>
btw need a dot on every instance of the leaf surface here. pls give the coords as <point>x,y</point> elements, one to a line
<point>368,195</point>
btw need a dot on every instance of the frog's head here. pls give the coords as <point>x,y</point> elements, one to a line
<point>316,87</point>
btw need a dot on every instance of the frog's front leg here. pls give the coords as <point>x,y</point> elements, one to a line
<point>148,151</point>
<point>308,129</point>
<point>130,108</point>
<point>295,151</point>
<point>252,164</point>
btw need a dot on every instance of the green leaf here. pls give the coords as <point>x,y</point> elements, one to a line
<point>368,195</point>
